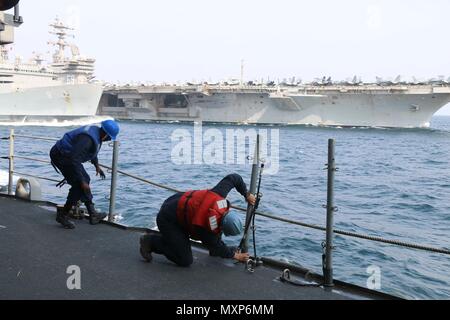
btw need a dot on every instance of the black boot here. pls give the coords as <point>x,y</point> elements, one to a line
<point>63,219</point>
<point>146,248</point>
<point>94,216</point>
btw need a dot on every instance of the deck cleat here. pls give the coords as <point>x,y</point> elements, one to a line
<point>77,213</point>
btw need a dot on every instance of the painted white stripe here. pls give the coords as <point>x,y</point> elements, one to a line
<point>2,227</point>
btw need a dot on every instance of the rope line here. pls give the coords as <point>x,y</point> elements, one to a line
<point>31,159</point>
<point>33,176</point>
<point>263,214</point>
<point>161,186</point>
<point>393,242</point>
<point>307,225</point>
<point>34,138</point>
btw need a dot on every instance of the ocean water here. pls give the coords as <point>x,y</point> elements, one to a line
<point>391,183</point>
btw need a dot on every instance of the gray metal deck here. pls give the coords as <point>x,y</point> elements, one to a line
<point>35,253</point>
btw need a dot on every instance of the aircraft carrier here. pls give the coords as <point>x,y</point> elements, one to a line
<point>350,103</point>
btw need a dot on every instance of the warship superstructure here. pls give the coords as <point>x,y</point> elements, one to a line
<point>323,103</point>
<point>63,90</point>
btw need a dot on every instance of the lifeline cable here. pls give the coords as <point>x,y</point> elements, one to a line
<point>290,221</point>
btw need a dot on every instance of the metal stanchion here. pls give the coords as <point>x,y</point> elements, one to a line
<point>112,198</point>
<point>328,246</point>
<point>253,190</point>
<point>11,162</point>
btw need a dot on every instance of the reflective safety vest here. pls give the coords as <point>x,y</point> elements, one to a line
<point>66,144</point>
<point>204,208</point>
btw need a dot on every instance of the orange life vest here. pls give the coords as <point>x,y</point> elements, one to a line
<point>204,208</point>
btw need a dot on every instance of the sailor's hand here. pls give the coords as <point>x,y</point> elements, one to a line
<point>241,257</point>
<point>101,173</point>
<point>251,199</point>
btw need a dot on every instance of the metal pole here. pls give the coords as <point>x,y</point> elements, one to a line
<point>11,162</point>
<point>253,190</point>
<point>16,13</point>
<point>328,263</point>
<point>112,196</point>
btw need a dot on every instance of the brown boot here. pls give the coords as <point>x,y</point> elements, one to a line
<point>62,217</point>
<point>94,216</point>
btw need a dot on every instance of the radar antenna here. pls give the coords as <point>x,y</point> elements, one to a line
<point>60,29</point>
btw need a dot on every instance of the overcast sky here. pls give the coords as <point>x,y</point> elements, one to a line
<point>179,40</point>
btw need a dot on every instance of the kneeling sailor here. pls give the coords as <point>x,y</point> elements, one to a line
<point>200,215</point>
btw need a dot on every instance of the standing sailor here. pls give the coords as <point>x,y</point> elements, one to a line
<point>200,215</point>
<point>69,154</point>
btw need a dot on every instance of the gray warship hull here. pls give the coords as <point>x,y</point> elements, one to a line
<point>372,106</point>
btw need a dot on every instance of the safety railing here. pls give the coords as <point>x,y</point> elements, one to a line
<point>330,207</point>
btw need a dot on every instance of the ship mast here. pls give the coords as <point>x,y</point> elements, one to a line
<point>74,70</point>
<point>60,29</point>
<point>242,72</point>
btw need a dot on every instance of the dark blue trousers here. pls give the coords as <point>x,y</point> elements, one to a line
<point>67,169</point>
<point>173,242</point>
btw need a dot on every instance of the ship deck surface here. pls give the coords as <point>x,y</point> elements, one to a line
<point>36,252</point>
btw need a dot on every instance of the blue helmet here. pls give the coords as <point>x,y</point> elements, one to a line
<point>111,128</point>
<point>232,224</point>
